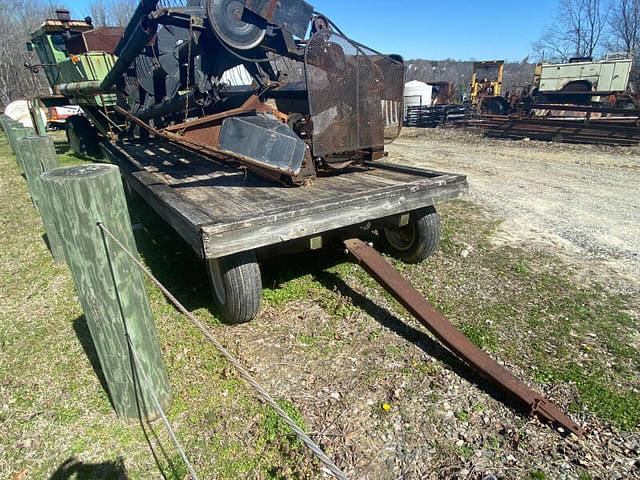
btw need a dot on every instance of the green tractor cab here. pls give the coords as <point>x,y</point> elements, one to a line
<point>74,54</point>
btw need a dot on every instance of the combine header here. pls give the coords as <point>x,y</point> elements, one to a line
<point>314,102</point>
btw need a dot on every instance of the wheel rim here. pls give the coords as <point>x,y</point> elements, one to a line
<point>401,238</point>
<point>217,281</point>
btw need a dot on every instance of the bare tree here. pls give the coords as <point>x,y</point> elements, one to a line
<point>624,34</point>
<point>122,11</point>
<point>624,25</point>
<point>18,19</point>
<point>577,31</point>
<point>98,13</point>
<point>111,12</point>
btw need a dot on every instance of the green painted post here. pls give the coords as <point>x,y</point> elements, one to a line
<point>110,287</point>
<point>4,120</point>
<point>12,130</point>
<point>10,126</point>
<point>39,156</point>
<point>39,124</point>
<point>16,133</point>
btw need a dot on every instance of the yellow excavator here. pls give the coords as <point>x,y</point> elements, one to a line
<point>486,88</point>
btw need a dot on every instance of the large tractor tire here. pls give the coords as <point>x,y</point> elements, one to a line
<point>83,137</point>
<point>494,106</point>
<point>417,240</point>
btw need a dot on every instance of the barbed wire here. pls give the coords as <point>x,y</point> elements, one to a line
<point>262,393</point>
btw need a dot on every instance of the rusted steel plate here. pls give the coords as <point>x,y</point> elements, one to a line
<point>452,338</point>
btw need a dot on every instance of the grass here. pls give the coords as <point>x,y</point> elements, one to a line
<point>525,308</point>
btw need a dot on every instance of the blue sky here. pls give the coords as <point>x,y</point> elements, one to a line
<point>459,29</point>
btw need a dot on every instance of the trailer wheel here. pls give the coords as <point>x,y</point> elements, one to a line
<point>83,137</point>
<point>236,285</point>
<point>417,240</point>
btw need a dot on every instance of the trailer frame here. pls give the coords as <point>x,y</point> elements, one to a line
<point>220,210</point>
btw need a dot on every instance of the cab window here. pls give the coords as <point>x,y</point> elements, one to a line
<point>59,43</point>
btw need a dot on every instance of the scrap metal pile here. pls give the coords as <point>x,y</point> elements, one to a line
<point>563,123</point>
<point>431,117</point>
<point>317,101</point>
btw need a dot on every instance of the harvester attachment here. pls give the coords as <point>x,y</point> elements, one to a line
<point>303,104</point>
<point>187,69</point>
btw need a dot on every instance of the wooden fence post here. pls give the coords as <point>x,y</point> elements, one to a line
<point>4,121</point>
<point>39,124</point>
<point>39,156</point>
<point>10,126</point>
<point>16,132</point>
<point>110,287</point>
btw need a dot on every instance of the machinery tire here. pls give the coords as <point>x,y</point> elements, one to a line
<point>236,285</point>
<point>83,137</point>
<point>495,106</point>
<point>416,241</point>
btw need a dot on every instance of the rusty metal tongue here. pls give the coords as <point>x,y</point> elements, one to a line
<point>452,338</point>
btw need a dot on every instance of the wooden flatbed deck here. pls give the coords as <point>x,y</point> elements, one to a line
<point>220,210</point>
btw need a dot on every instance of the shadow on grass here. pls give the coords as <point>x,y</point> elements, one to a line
<point>318,265</point>
<point>73,468</point>
<point>61,147</point>
<point>419,338</point>
<point>84,337</point>
<point>171,260</point>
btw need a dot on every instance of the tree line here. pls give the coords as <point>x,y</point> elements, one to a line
<point>22,17</point>
<point>590,28</point>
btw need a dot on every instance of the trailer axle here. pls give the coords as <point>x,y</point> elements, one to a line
<point>452,338</point>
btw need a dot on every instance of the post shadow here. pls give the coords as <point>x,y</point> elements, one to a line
<point>73,468</point>
<point>84,337</point>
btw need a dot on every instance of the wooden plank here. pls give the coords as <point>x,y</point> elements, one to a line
<point>219,244</point>
<point>183,216</point>
<point>219,211</point>
<point>347,199</point>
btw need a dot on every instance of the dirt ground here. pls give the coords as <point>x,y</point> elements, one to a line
<point>578,200</point>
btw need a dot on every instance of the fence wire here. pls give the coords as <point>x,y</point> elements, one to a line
<point>156,402</point>
<point>261,392</point>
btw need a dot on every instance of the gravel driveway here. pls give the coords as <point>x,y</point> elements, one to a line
<point>581,201</point>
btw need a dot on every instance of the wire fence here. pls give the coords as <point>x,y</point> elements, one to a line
<point>260,391</point>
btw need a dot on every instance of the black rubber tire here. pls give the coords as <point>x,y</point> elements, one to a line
<point>416,241</point>
<point>495,106</point>
<point>236,284</point>
<point>83,137</point>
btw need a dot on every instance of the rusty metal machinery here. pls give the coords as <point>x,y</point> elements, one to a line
<point>322,101</point>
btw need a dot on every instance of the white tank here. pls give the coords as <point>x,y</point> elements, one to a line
<point>417,94</point>
<point>18,110</point>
